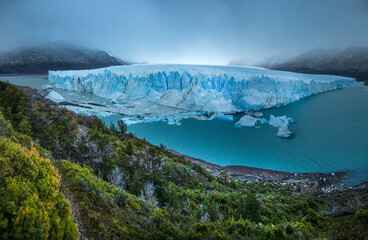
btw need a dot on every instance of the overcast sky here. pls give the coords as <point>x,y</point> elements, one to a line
<point>186,31</point>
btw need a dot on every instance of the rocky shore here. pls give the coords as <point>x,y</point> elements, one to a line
<point>303,182</point>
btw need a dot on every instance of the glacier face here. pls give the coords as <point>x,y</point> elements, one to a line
<point>195,88</point>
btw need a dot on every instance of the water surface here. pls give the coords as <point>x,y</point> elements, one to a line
<point>331,134</point>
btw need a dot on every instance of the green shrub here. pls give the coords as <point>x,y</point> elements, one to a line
<point>241,227</point>
<point>204,230</point>
<point>122,198</point>
<point>312,216</point>
<point>363,213</point>
<point>83,176</point>
<point>31,206</point>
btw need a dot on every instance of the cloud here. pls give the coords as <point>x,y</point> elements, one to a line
<point>192,31</point>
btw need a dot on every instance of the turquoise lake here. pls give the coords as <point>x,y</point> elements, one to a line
<point>331,134</point>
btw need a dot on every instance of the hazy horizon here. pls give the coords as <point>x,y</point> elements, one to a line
<point>190,32</point>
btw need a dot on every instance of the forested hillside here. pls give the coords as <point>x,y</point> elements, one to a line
<point>65,176</point>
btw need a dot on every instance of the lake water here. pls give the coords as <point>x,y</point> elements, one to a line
<point>34,81</point>
<point>331,134</point>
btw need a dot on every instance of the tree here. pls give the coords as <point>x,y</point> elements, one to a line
<point>25,127</point>
<point>116,177</point>
<point>112,127</point>
<point>249,207</point>
<point>129,148</point>
<point>122,126</point>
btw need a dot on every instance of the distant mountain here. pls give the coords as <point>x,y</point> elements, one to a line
<point>40,59</point>
<point>350,62</point>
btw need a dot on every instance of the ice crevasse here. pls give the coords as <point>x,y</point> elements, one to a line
<point>195,88</point>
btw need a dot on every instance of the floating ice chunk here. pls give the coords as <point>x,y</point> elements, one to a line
<point>246,121</point>
<point>284,132</point>
<point>201,118</point>
<point>104,114</point>
<point>282,123</point>
<point>173,120</point>
<point>226,117</point>
<point>249,121</point>
<point>54,96</point>
<point>130,120</point>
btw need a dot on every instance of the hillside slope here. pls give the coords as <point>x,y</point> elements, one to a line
<point>350,62</point>
<point>41,59</point>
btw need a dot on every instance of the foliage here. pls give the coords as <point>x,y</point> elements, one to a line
<point>31,206</point>
<point>122,126</point>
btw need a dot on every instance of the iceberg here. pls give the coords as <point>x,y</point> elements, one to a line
<point>246,121</point>
<point>250,121</point>
<point>282,123</point>
<point>195,88</point>
<point>279,122</point>
<point>54,96</point>
<point>284,132</point>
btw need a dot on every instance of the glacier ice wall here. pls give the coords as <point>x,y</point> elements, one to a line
<point>219,89</point>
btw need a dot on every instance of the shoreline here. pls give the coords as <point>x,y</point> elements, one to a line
<point>22,74</point>
<point>305,182</point>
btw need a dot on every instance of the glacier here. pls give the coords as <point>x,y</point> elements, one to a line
<point>152,91</point>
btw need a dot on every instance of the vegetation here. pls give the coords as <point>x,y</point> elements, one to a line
<point>120,186</point>
<point>31,205</point>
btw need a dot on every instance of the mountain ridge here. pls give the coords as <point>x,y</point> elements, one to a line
<point>41,59</point>
<point>349,62</point>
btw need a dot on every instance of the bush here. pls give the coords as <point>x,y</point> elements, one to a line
<point>363,213</point>
<point>312,216</point>
<point>83,176</point>
<point>31,206</point>
<point>122,198</point>
<point>241,227</point>
<point>162,227</point>
<point>203,230</point>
